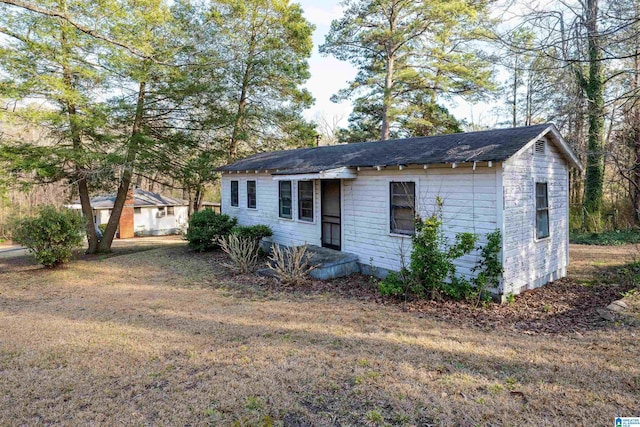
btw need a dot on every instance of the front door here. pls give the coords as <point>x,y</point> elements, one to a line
<point>330,207</point>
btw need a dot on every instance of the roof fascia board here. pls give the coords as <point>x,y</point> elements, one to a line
<point>339,173</point>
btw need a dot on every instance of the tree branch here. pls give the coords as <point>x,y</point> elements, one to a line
<point>79,27</point>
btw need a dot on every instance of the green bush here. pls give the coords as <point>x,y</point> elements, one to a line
<point>432,260</point>
<point>206,227</point>
<point>489,268</point>
<point>254,232</point>
<point>394,284</point>
<point>616,237</point>
<point>432,272</point>
<point>51,235</point>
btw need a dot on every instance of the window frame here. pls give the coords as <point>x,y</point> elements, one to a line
<point>306,199</point>
<point>394,231</point>
<point>542,209</point>
<point>280,200</point>
<point>237,193</point>
<point>255,194</point>
<point>171,211</point>
<point>137,210</point>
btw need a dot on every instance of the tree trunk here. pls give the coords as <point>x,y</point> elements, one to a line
<point>87,211</point>
<point>635,131</point>
<point>190,199</point>
<point>595,112</point>
<point>242,103</point>
<point>514,94</point>
<point>386,101</point>
<point>76,139</point>
<point>127,173</point>
<point>197,199</point>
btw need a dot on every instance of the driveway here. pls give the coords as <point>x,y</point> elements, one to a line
<point>12,251</point>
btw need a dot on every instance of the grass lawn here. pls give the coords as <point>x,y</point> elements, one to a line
<point>167,337</point>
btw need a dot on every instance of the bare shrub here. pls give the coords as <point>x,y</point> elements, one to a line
<point>291,264</point>
<point>242,252</point>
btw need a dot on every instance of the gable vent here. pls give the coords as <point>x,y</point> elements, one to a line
<point>540,147</point>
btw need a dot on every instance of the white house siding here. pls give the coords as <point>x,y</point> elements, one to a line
<point>285,231</point>
<point>530,263</point>
<point>101,216</point>
<point>147,222</point>
<point>469,205</point>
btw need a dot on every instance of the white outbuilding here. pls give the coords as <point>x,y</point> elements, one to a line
<point>362,198</point>
<point>153,214</point>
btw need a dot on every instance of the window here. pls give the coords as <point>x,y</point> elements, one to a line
<point>170,210</point>
<point>251,194</point>
<point>234,193</point>
<point>284,199</point>
<point>161,212</point>
<point>540,147</point>
<point>402,197</point>
<point>137,210</point>
<point>542,210</point>
<point>305,200</point>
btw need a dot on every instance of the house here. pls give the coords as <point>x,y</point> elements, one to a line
<point>145,213</point>
<point>362,198</point>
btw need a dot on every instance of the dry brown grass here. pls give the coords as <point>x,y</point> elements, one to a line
<point>166,337</point>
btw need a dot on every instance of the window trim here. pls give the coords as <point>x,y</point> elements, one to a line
<point>390,211</point>
<point>545,209</point>
<point>313,198</point>
<point>280,199</point>
<point>237,193</point>
<point>171,211</point>
<point>255,194</point>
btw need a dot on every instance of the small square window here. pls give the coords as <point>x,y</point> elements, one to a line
<point>137,210</point>
<point>170,210</point>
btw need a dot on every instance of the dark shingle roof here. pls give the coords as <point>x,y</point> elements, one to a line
<point>140,198</point>
<point>490,145</point>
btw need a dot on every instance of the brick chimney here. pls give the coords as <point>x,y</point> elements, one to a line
<point>125,226</point>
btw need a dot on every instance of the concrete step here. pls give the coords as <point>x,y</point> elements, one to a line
<point>330,263</point>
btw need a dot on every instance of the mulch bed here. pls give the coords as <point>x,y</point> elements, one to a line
<point>560,307</point>
<point>563,306</point>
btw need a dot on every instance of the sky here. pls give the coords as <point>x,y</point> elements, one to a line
<point>329,75</point>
